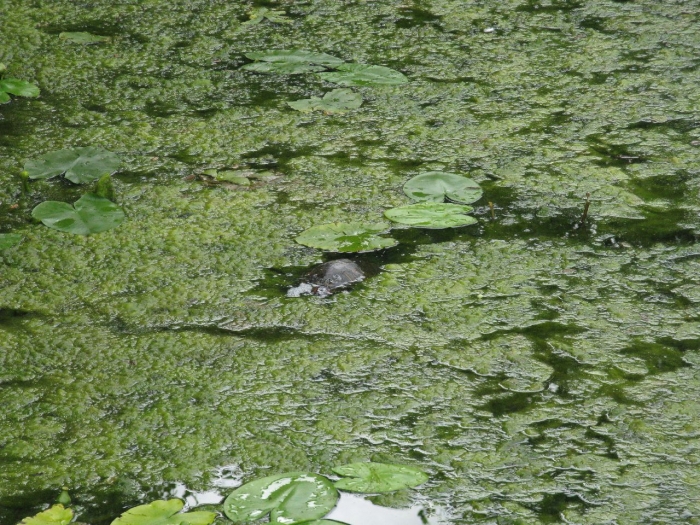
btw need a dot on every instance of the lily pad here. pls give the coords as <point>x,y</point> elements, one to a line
<point>321,522</point>
<point>378,477</point>
<point>261,13</point>
<point>435,186</point>
<point>91,214</point>
<point>336,101</point>
<point>80,164</point>
<point>432,215</point>
<point>8,240</point>
<point>364,75</point>
<point>19,88</point>
<point>56,515</point>
<point>290,62</point>
<point>81,37</point>
<point>347,237</point>
<point>163,512</point>
<point>289,498</point>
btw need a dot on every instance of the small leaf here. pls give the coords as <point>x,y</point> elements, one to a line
<point>347,237</point>
<point>295,56</point>
<point>435,186</point>
<point>431,215</point>
<point>4,97</point>
<point>91,214</point>
<point>80,164</point>
<point>283,68</point>
<point>163,512</point>
<point>289,498</point>
<point>83,38</point>
<point>257,15</point>
<point>56,515</point>
<point>364,75</point>
<point>336,101</point>
<point>8,240</point>
<point>19,88</point>
<point>378,477</point>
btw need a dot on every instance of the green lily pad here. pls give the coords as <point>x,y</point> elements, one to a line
<point>83,38</point>
<point>347,237</point>
<point>290,62</point>
<point>432,215</point>
<point>91,214</point>
<point>80,164</point>
<point>435,186</point>
<point>261,13</point>
<point>336,101</point>
<point>378,477</point>
<point>321,522</point>
<point>289,498</point>
<point>163,512</point>
<point>56,515</point>
<point>19,88</point>
<point>8,240</point>
<point>363,75</point>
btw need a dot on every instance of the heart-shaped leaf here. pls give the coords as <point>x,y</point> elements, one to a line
<point>363,75</point>
<point>432,215</point>
<point>163,512</point>
<point>91,214</point>
<point>347,237</point>
<point>289,498</point>
<point>56,515</point>
<point>83,38</point>
<point>378,477</point>
<point>80,164</point>
<point>16,87</point>
<point>435,186</point>
<point>8,240</point>
<point>336,101</point>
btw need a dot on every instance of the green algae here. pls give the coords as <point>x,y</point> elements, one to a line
<point>537,371</point>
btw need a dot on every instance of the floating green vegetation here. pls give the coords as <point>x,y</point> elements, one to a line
<point>263,13</point>
<point>8,240</point>
<point>16,87</point>
<point>90,214</point>
<point>164,513</point>
<point>378,477</point>
<point>364,75</point>
<point>290,62</point>
<point>82,37</point>
<point>56,515</point>
<point>80,165</point>
<point>336,101</point>
<point>346,237</point>
<point>436,186</point>
<point>432,215</point>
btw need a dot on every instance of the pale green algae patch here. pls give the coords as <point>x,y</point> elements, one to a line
<point>538,372</point>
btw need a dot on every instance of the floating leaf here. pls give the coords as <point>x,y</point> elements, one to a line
<point>378,477</point>
<point>321,522</point>
<point>8,240</point>
<point>83,38</point>
<point>290,61</point>
<point>163,512</point>
<point>336,101</point>
<point>283,68</point>
<point>347,237</point>
<point>258,15</point>
<point>56,515</point>
<point>289,498</point>
<point>431,215</point>
<point>91,214</point>
<point>435,186</point>
<point>19,88</point>
<point>80,164</point>
<point>364,75</point>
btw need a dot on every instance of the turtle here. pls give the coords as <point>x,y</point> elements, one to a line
<point>328,277</point>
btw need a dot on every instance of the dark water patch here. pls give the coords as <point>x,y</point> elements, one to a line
<point>678,125</point>
<point>596,23</point>
<point>659,227</point>
<point>682,345</point>
<point>511,403</point>
<point>536,6</point>
<point>19,506</point>
<point>9,315</point>
<point>414,16</point>
<point>672,186</point>
<point>614,155</point>
<point>550,509</point>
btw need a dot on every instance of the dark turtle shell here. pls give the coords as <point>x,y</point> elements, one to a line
<point>328,277</point>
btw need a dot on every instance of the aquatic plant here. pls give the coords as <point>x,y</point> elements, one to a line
<point>436,186</point>
<point>378,477</point>
<point>81,37</point>
<point>336,101</point>
<point>346,237</point>
<point>56,515</point>
<point>8,240</point>
<point>163,512</point>
<point>431,215</point>
<point>364,75</point>
<point>16,87</point>
<point>79,165</point>
<point>263,13</point>
<point>290,62</point>
<point>90,214</point>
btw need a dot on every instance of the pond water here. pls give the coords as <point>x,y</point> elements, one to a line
<point>539,369</point>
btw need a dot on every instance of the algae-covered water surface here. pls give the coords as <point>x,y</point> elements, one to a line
<point>540,367</point>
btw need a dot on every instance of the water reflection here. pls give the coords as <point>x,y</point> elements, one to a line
<point>355,510</point>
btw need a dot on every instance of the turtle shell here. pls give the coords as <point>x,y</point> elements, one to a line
<point>328,277</point>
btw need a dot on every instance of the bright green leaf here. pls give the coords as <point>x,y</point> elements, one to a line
<point>347,237</point>
<point>83,38</point>
<point>19,88</point>
<point>435,186</point>
<point>91,214</point>
<point>364,75</point>
<point>4,97</point>
<point>336,101</point>
<point>431,215</point>
<point>56,515</point>
<point>8,240</point>
<point>378,477</point>
<point>289,498</point>
<point>80,164</point>
<point>163,512</point>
